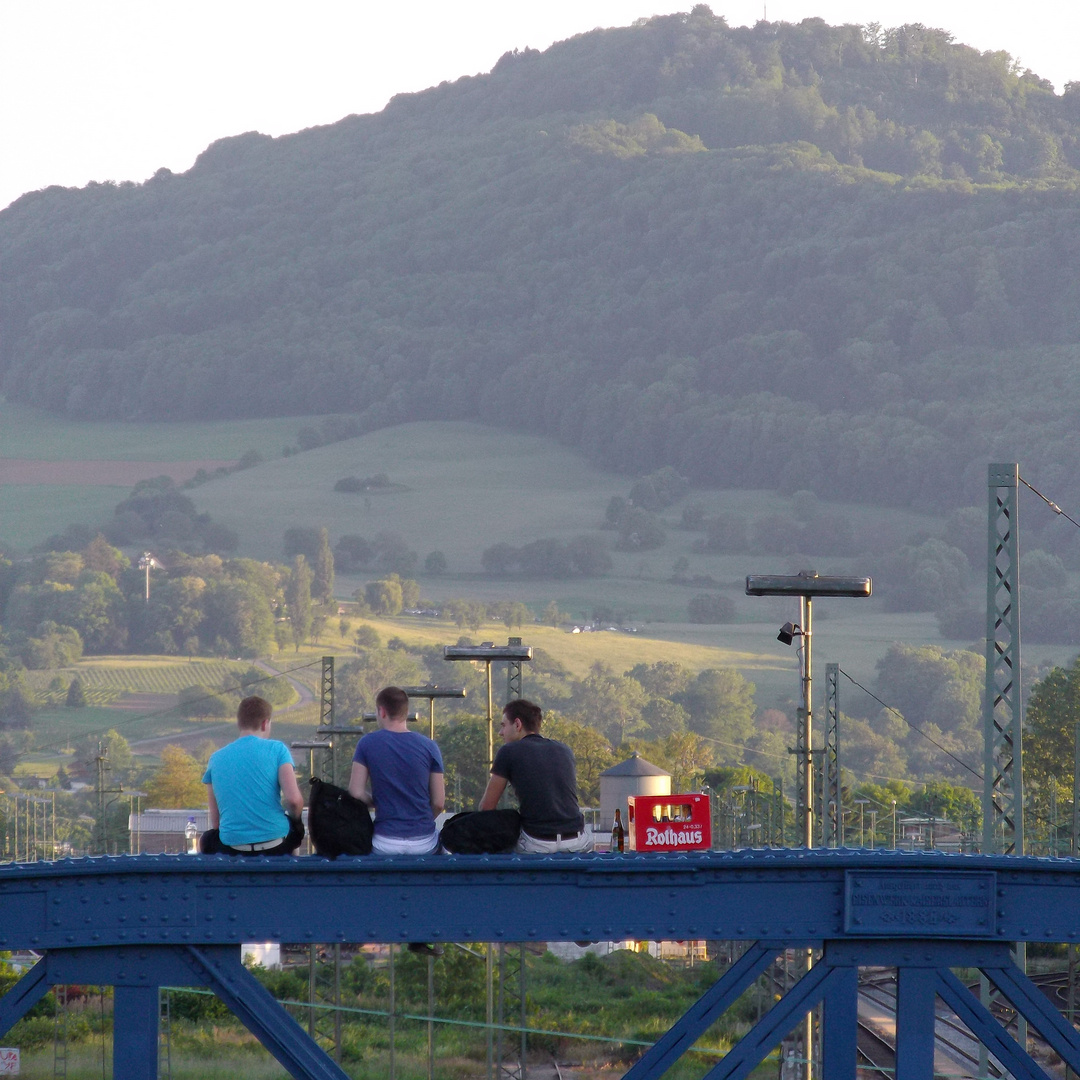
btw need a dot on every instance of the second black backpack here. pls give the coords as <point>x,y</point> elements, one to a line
<point>481,832</point>
<point>338,824</point>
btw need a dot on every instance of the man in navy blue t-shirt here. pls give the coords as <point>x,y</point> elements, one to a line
<point>399,773</point>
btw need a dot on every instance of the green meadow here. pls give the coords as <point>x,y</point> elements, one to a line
<point>31,512</point>
<point>459,488</point>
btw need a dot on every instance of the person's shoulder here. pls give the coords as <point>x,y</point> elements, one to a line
<point>368,740</point>
<point>553,746</point>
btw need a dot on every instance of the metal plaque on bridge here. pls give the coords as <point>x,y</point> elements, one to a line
<point>918,903</point>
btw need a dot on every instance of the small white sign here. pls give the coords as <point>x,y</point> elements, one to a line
<point>9,1061</point>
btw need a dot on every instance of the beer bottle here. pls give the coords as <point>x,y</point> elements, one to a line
<point>618,833</point>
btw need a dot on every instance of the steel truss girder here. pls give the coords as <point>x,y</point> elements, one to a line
<point>138,972</point>
<point>923,976</point>
<point>787,895</point>
<point>704,1012</point>
<point>140,922</point>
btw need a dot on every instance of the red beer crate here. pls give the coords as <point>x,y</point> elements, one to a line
<point>669,823</point>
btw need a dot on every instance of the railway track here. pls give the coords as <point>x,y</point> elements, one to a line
<point>956,1050</point>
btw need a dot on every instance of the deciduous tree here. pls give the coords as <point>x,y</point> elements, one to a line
<point>177,781</point>
<point>298,601</point>
<point>322,584</point>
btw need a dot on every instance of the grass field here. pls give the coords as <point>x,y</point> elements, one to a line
<point>31,512</point>
<point>465,487</point>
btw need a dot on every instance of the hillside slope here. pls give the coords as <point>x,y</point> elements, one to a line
<point>804,256</point>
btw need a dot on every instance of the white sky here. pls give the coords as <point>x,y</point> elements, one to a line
<point>115,89</point>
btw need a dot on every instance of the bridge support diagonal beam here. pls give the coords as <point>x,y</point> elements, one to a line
<point>135,1032</point>
<point>839,1035</point>
<point>221,970</point>
<point>986,1028</point>
<point>916,991</point>
<point>1032,1003</point>
<point>705,1011</point>
<point>748,1052</point>
<point>23,996</point>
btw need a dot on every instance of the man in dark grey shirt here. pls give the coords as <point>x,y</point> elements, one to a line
<point>543,775</point>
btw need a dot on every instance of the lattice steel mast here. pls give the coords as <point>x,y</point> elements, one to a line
<point>1003,785</point>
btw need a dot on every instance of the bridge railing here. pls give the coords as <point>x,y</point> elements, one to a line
<point>138,923</point>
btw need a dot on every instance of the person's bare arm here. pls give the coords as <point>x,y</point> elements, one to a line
<point>496,785</point>
<point>290,790</point>
<point>214,816</point>
<point>437,791</point>
<point>358,783</point>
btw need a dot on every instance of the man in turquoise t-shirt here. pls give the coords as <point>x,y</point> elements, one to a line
<point>246,783</point>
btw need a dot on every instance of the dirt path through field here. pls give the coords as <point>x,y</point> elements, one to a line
<point>306,696</point>
<point>119,473</point>
<point>186,740</point>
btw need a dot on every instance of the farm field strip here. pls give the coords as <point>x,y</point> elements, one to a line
<point>100,696</point>
<point>120,675</point>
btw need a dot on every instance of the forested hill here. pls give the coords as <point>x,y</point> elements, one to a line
<point>803,256</point>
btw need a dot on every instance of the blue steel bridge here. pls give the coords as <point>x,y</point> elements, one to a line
<point>141,922</point>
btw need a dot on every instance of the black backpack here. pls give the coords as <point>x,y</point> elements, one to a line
<point>481,832</point>
<point>338,824</point>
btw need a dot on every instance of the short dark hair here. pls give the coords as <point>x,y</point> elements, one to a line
<point>394,700</point>
<point>530,715</point>
<point>252,711</point>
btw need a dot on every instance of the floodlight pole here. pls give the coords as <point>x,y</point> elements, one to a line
<point>804,738</point>
<point>145,563</point>
<point>487,654</point>
<point>431,692</point>
<point>806,586</point>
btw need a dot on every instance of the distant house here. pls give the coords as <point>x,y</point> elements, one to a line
<point>931,833</point>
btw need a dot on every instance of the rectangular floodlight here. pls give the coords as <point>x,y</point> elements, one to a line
<point>487,652</point>
<point>367,718</point>
<point>431,691</point>
<point>806,585</point>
